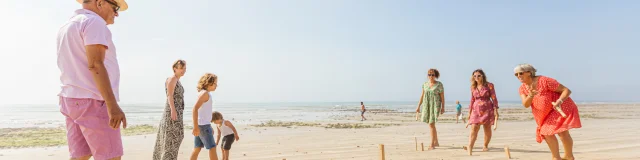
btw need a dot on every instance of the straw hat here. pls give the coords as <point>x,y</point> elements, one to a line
<point>123,5</point>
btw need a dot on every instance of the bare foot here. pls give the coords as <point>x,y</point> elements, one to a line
<point>568,158</point>
<point>467,149</point>
<point>431,148</point>
<point>437,144</point>
<point>484,149</point>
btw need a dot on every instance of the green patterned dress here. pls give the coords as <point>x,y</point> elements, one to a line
<point>431,102</point>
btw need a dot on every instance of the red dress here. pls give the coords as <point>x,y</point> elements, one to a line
<point>549,121</point>
<point>483,104</point>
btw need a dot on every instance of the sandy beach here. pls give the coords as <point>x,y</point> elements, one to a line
<point>608,132</point>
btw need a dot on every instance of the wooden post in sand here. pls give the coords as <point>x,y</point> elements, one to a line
<point>416,140</point>
<point>506,150</point>
<point>422,144</point>
<point>382,151</point>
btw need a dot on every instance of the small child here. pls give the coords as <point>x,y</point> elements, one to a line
<point>459,113</point>
<point>228,130</point>
<point>202,117</point>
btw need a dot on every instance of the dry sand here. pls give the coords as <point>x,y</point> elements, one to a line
<point>609,132</point>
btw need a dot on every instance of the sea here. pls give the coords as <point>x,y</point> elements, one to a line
<point>49,116</point>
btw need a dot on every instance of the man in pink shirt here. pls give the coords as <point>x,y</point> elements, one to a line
<point>90,79</point>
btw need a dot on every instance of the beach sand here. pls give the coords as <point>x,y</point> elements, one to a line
<point>608,132</point>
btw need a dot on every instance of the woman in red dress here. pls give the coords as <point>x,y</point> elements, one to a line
<point>553,110</point>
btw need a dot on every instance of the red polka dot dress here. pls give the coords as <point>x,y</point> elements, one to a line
<point>549,121</point>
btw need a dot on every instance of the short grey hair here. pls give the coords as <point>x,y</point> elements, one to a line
<point>525,67</point>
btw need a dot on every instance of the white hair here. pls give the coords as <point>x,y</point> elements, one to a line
<point>525,67</point>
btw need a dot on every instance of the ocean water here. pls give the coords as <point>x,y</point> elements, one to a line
<point>20,116</point>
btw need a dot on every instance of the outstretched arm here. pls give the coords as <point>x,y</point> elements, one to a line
<point>234,130</point>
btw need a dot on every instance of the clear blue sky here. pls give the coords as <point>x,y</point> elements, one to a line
<point>336,50</point>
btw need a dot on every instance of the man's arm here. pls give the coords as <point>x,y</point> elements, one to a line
<point>95,57</point>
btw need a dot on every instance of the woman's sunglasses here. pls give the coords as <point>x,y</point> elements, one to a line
<point>519,73</point>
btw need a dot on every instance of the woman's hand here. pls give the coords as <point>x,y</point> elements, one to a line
<point>468,118</point>
<point>557,107</point>
<point>495,125</point>
<point>533,92</point>
<point>174,115</point>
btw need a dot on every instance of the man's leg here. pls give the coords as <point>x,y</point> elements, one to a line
<point>71,108</point>
<point>104,141</point>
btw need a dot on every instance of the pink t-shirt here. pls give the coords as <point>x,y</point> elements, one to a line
<point>84,28</point>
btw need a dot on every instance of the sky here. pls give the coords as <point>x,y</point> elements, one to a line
<point>336,50</point>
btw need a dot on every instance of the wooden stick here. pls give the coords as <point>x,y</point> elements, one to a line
<point>382,151</point>
<point>422,144</point>
<point>506,150</point>
<point>416,140</point>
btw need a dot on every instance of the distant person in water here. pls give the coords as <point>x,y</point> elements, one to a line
<point>363,110</point>
<point>459,113</point>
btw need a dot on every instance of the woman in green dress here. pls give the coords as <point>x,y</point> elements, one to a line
<point>431,104</point>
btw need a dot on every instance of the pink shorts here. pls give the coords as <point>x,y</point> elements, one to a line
<point>88,131</point>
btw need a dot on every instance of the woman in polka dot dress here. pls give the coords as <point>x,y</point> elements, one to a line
<point>553,110</point>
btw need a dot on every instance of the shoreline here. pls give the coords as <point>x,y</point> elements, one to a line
<point>347,118</point>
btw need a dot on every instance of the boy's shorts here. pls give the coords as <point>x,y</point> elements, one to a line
<point>227,141</point>
<point>205,139</point>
